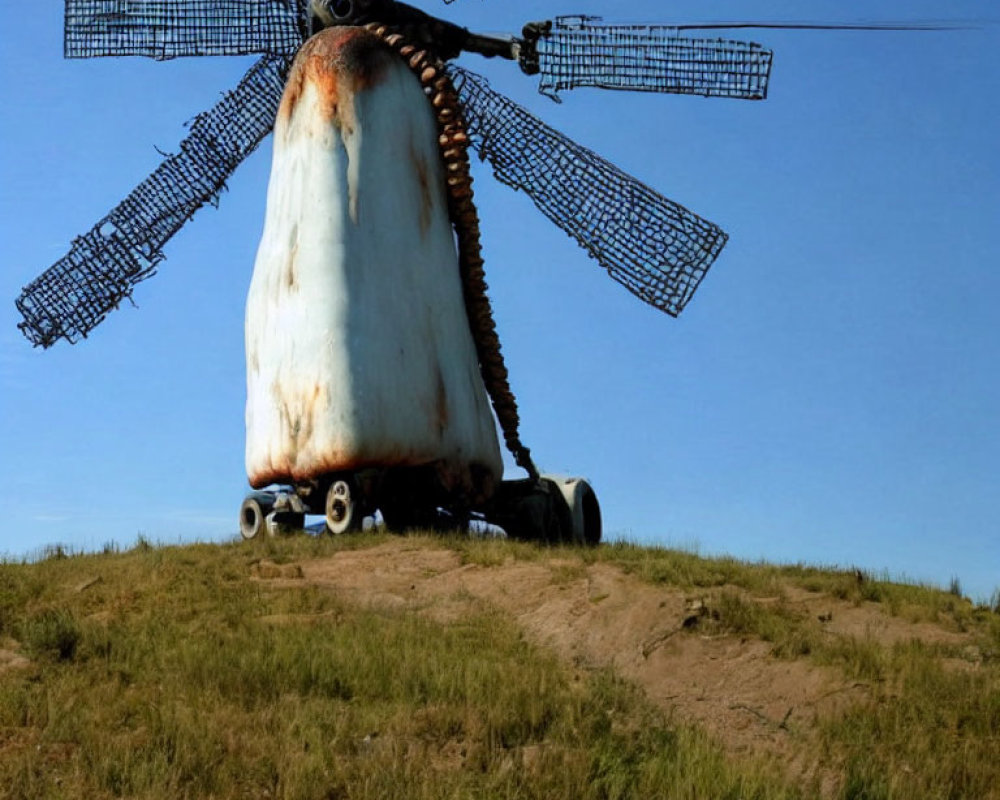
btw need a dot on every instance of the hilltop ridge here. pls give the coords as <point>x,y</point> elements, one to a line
<point>390,666</point>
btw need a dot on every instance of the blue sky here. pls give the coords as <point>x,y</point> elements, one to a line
<point>830,396</point>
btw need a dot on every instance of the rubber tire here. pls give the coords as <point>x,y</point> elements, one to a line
<point>592,522</point>
<point>343,511</point>
<point>253,518</point>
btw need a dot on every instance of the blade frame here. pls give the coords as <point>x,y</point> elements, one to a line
<point>124,248</point>
<point>658,249</point>
<point>579,51</point>
<point>181,28</point>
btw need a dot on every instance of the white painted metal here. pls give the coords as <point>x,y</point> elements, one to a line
<point>357,342</point>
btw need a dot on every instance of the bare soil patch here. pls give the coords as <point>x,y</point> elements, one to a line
<point>597,616</point>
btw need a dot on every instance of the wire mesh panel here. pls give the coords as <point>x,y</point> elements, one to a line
<point>163,29</point>
<point>71,297</point>
<point>579,52</point>
<point>656,248</point>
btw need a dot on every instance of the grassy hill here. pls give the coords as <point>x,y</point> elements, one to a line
<point>376,666</point>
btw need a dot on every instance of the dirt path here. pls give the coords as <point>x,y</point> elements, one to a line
<point>598,616</point>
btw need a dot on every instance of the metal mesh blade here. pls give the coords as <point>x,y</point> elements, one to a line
<point>656,248</point>
<point>163,29</point>
<point>71,297</point>
<point>578,52</point>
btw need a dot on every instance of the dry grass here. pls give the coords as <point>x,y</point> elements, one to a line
<point>171,673</point>
<point>932,726</point>
<point>678,568</point>
<point>168,672</point>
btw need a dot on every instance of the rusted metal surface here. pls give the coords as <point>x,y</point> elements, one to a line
<point>359,351</point>
<point>358,58</point>
<point>350,53</point>
<point>453,141</point>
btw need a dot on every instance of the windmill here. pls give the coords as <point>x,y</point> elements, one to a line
<point>372,355</point>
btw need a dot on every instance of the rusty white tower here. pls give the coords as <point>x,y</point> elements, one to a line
<point>359,350</point>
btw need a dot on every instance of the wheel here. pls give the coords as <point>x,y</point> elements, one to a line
<point>253,514</point>
<point>591,515</point>
<point>558,519</point>
<point>284,523</point>
<point>579,509</point>
<point>554,510</point>
<point>343,512</point>
<point>531,511</point>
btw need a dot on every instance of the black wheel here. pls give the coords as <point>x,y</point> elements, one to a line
<point>554,510</point>
<point>394,517</point>
<point>253,515</point>
<point>592,526</point>
<point>575,505</point>
<point>343,511</point>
